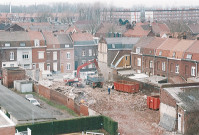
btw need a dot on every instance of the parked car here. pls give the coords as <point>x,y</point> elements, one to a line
<point>34,102</point>
<point>29,96</point>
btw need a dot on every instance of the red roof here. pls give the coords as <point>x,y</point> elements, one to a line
<point>82,37</point>
<point>51,40</point>
<point>160,28</point>
<point>138,31</point>
<point>35,35</point>
<point>72,29</point>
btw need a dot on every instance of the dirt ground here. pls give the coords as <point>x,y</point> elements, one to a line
<point>129,110</point>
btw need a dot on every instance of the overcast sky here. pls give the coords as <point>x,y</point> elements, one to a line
<point>121,3</point>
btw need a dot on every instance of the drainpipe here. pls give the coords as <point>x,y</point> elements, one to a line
<point>196,69</point>
<point>167,69</point>
<point>142,64</point>
<point>154,62</point>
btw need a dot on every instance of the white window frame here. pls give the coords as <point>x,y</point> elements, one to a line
<point>151,64</point>
<point>36,42</point>
<point>68,66</point>
<point>139,62</point>
<point>12,56</point>
<point>55,55</point>
<point>22,44</point>
<point>84,61</point>
<point>68,55</point>
<point>193,71</point>
<point>174,54</point>
<point>41,56</point>
<point>189,56</point>
<point>83,53</point>
<point>177,69</point>
<point>7,44</point>
<point>25,56</point>
<point>163,66</point>
<point>90,52</point>
<point>113,45</point>
<point>160,53</point>
<point>66,46</point>
<point>138,50</point>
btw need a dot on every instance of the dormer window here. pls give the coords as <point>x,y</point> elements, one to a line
<point>138,50</point>
<point>7,44</point>
<point>22,44</point>
<point>66,46</point>
<point>189,56</point>
<point>174,54</point>
<point>160,53</point>
<point>113,45</point>
<point>36,43</point>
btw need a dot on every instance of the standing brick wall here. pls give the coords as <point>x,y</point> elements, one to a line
<point>61,99</point>
<point>7,131</point>
<point>167,99</point>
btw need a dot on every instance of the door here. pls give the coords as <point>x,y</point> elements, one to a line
<point>179,122</point>
<point>62,68</point>
<point>41,66</point>
<point>76,65</point>
<point>55,66</point>
<point>48,67</point>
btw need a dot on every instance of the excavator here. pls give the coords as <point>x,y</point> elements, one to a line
<point>93,80</point>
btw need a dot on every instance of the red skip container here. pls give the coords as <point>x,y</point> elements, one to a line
<point>126,86</point>
<point>153,102</point>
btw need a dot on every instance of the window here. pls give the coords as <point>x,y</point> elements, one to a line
<point>138,50</point>
<point>163,66</point>
<point>90,52</point>
<point>171,67</point>
<point>22,44</point>
<point>160,53</point>
<point>25,55</point>
<point>68,55</point>
<point>41,55</point>
<point>11,55</point>
<point>151,64</point>
<point>11,65</point>
<point>126,58</point>
<point>113,45</point>
<point>68,66</point>
<point>33,66</point>
<point>90,66</point>
<point>48,66</point>
<point>83,61</point>
<point>139,62</point>
<point>83,53</point>
<point>4,65</point>
<point>7,44</point>
<point>26,66</point>
<point>193,71</point>
<point>189,56</point>
<point>54,55</point>
<point>66,46</point>
<point>36,42</point>
<point>177,68</point>
<point>174,54</point>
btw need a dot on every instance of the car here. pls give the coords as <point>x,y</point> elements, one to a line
<point>28,96</point>
<point>34,102</point>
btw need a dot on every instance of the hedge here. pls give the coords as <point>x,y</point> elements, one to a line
<point>71,126</point>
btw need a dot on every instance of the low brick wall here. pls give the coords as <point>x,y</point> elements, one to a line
<point>53,95</point>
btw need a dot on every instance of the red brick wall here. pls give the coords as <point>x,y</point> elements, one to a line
<point>166,98</point>
<point>62,99</point>
<point>45,92</point>
<point>9,76</point>
<point>7,131</point>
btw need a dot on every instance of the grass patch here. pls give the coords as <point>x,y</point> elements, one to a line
<point>51,103</point>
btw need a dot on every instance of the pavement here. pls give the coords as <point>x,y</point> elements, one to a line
<point>20,109</point>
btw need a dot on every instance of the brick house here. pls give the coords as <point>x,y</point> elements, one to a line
<point>38,50</point>
<point>66,53</point>
<point>85,49</point>
<point>114,53</point>
<point>165,57</point>
<point>179,108</point>
<point>52,52</point>
<point>10,74</point>
<point>15,49</point>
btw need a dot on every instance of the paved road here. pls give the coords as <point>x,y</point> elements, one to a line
<point>21,109</point>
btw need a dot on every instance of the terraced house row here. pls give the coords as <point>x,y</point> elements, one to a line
<point>177,59</point>
<point>53,51</point>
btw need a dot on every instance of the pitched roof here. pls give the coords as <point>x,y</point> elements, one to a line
<point>51,39</point>
<point>64,39</point>
<point>72,29</point>
<point>14,36</point>
<point>137,31</point>
<point>194,28</point>
<point>122,40</point>
<point>35,35</point>
<point>159,28</point>
<point>155,43</point>
<point>79,36</point>
<point>144,41</point>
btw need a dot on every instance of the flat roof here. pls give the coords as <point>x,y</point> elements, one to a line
<point>5,121</point>
<point>20,108</point>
